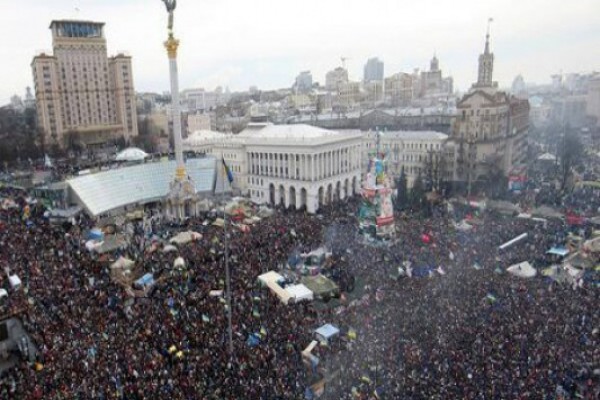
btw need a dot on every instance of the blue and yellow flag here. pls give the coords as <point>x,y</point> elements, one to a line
<point>227,170</point>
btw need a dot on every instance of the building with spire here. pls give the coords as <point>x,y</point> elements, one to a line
<point>433,85</point>
<point>486,68</point>
<point>490,132</point>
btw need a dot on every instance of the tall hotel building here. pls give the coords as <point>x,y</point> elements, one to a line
<point>80,90</point>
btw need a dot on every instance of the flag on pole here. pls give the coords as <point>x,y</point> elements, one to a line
<point>227,170</point>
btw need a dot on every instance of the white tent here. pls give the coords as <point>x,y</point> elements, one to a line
<point>592,245</point>
<point>326,332</point>
<point>185,237</point>
<point>131,154</point>
<point>15,281</point>
<point>92,245</point>
<point>270,279</point>
<point>299,292</point>
<point>3,293</point>
<point>547,157</point>
<point>270,276</point>
<point>179,262</point>
<point>122,263</point>
<point>463,226</point>
<point>522,270</point>
<point>573,272</point>
<point>168,248</point>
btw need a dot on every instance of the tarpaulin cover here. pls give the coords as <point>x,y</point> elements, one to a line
<point>14,281</point>
<point>146,280</point>
<point>558,251</point>
<point>300,292</point>
<point>327,331</point>
<point>522,270</point>
<point>95,234</point>
<point>421,272</point>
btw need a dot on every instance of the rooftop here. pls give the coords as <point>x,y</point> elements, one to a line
<point>297,134</point>
<point>106,191</point>
<point>415,135</point>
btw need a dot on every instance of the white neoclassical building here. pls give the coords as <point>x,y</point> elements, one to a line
<point>408,150</point>
<point>292,165</point>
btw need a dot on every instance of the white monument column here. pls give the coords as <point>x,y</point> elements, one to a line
<point>171,45</point>
<point>182,200</point>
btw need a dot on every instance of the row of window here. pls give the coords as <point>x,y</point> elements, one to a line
<point>405,146</point>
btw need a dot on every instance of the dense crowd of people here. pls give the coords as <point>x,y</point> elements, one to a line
<point>467,329</point>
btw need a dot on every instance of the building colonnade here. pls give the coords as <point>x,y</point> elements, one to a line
<point>309,166</point>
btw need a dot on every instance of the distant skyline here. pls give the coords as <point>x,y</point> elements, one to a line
<point>266,43</point>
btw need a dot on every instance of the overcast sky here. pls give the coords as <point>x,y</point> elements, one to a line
<point>239,43</point>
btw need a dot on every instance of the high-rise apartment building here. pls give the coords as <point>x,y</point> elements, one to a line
<point>304,82</point>
<point>593,99</point>
<point>373,70</point>
<point>80,90</point>
<point>335,78</point>
<point>432,82</point>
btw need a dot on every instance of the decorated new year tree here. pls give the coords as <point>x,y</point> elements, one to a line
<point>376,213</point>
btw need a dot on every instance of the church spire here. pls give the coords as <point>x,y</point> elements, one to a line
<point>486,63</point>
<point>487,37</point>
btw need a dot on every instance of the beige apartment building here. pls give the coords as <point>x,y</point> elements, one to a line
<point>82,94</point>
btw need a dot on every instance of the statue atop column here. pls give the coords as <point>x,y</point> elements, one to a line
<point>170,5</point>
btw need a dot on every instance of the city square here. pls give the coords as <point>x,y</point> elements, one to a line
<point>393,237</point>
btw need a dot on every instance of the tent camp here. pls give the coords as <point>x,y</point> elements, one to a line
<point>321,286</point>
<point>546,212</point>
<point>595,221</point>
<point>574,273</point>
<point>145,282</point>
<point>309,358</point>
<point>558,251</point>
<point>326,332</point>
<point>504,207</point>
<point>592,245</point>
<point>179,263</point>
<point>185,237</point>
<point>547,157</point>
<point>122,263</point>
<point>271,280</point>
<point>92,245</point>
<point>169,248</point>
<point>111,243</point>
<point>299,292</point>
<point>578,260</point>
<point>131,154</point>
<point>15,281</point>
<point>556,273</point>
<point>270,276</point>
<point>522,270</point>
<point>265,212</point>
<point>95,234</point>
<point>463,226</point>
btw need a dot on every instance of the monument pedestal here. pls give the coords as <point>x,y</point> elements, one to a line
<point>181,201</point>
